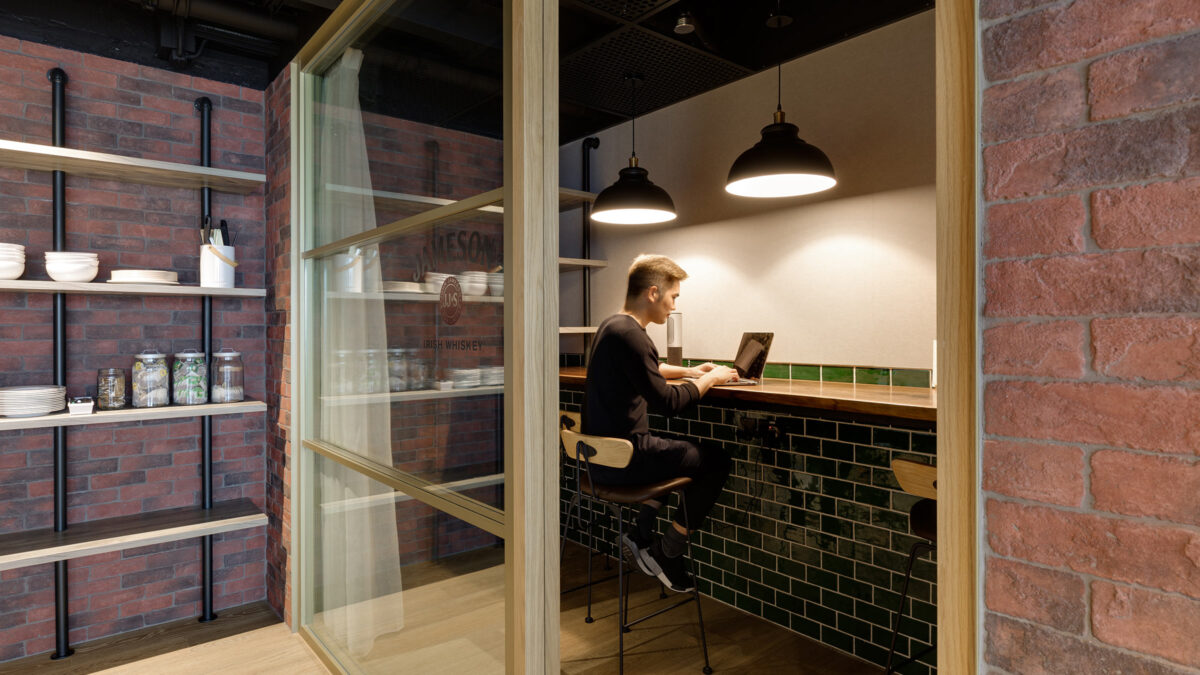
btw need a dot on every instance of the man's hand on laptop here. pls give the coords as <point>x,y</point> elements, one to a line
<point>714,376</point>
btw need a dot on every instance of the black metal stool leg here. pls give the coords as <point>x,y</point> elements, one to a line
<point>691,568</point>
<point>620,606</point>
<point>912,558</point>
<point>573,506</point>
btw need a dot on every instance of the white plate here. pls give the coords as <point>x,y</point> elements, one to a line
<point>151,282</point>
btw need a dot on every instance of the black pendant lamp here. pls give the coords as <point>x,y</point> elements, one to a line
<point>781,164</point>
<point>633,199</point>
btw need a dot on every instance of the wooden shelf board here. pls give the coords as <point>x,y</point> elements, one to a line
<point>567,198</point>
<point>577,330</point>
<point>21,549</point>
<point>103,288</point>
<point>422,395</point>
<point>63,419</point>
<point>570,264</point>
<point>407,297</point>
<point>129,169</point>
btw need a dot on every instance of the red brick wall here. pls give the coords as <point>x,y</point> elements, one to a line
<point>279,377</point>
<point>114,470</point>
<point>1091,463</point>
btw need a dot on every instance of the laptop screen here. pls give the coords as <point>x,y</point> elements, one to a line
<point>752,354</point>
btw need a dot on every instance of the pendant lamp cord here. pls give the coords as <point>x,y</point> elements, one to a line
<point>633,119</point>
<point>779,86</point>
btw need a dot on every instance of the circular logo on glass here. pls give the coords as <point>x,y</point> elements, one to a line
<point>451,301</point>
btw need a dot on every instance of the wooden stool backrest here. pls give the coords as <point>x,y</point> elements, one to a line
<point>916,478</point>
<point>598,450</point>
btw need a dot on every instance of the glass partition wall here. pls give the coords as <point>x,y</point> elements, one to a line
<point>425,340</point>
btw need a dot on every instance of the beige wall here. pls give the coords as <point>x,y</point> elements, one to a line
<point>842,277</point>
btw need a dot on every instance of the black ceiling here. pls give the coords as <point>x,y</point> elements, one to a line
<point>440,61</point>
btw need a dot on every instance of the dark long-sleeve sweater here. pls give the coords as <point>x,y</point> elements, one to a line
<point>623,382</point>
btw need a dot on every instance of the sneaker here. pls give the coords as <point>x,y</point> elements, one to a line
<point>670,571</point>
<point>631,548</point>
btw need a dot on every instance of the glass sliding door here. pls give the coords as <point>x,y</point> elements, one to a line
<point>417,314</point>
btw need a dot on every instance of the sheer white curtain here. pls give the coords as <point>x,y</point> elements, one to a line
<point>359,591</point>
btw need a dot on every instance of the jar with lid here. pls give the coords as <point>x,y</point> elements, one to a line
<point>420,374</point>
<point>190,376</point>
<point>375,371</point>
<point>150,380</point>
<point>397,370</point>
<point>110,389</point>
<point>228,376</point>
<point>340,373</point>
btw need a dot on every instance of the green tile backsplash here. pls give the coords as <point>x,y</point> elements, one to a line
<point>837,374</point>
<point>896,377</point>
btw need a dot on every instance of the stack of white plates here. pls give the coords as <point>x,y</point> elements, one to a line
<point>402,286</point>
<point>144,277</point>
<point>434,281</point>
<point>69,266</point>
<point>474,283</point>
<point>32,400</point>
<point>12,261</point>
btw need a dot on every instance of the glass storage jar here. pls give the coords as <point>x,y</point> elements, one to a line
<point>150,380</point>
<point>189,374</point>
<point>375,371</point>
<point>110,389</point>
<point>397,370</point>
<point>228,376</point>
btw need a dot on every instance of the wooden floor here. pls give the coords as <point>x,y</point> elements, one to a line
<point>247,639</point>
<point>670,642</point>
<point>454,624</point>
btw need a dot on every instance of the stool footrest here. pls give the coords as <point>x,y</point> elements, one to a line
<point>681,603</point>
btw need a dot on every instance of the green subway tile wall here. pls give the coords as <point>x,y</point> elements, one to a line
<point>897,377</point>
<point>811,534</point>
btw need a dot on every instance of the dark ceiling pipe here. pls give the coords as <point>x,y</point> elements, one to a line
<point>226,15</point>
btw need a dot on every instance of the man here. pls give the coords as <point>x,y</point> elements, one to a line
<point>624,380</point>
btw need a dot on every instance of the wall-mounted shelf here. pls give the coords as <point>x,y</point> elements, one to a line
<point>407,297</point>
<point>167,412</point>
<point>21,549</point>
<point>567,198</point>
<point>103,288</point>
<point>421,395</point>
<point>577,330</point>
<point>571,264</point>
<point>129,169</point>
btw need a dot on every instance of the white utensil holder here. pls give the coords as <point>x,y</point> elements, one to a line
<point>216,266</point>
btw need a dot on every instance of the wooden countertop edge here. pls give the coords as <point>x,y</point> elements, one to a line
<point>575,376</point>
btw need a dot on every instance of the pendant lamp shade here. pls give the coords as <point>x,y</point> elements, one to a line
<point>633,200</point>
<point>780,165</point>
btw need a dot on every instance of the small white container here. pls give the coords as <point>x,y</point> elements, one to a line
<point>216,271</point>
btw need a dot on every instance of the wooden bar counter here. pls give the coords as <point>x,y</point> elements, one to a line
<point>911,403</point>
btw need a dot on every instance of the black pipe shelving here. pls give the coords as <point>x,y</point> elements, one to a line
<point>37,546</point>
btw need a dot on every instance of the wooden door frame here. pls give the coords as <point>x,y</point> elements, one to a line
<point>957,287</point>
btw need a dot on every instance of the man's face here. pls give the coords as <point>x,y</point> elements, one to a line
<point>663,302</point>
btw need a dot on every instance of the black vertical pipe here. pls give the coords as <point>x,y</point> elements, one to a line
<point>62,643</point>
<point>590,143</point>
<point>204,105</point>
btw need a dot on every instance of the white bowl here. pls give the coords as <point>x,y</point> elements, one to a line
<point>12,247</point>
<point>11,269</point>
<point>11,256</point>
<point>50,255</point>
<point>472,286</point>
<point>71,272</point>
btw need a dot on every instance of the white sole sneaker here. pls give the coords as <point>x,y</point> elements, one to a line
<point>651,567</point>
<point>632,553</point>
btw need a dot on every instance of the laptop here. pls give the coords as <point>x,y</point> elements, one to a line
<point>751,359</point>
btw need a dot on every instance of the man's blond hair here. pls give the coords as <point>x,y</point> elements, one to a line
<point>652,270</point>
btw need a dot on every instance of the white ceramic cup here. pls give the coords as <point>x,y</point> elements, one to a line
<point>214,272</point>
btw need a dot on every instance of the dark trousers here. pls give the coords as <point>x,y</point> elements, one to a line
<point>657,459</point>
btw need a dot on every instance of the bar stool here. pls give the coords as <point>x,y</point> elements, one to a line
<point>572,420</point>
<point>920,480</point>
<point>617,453</point>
